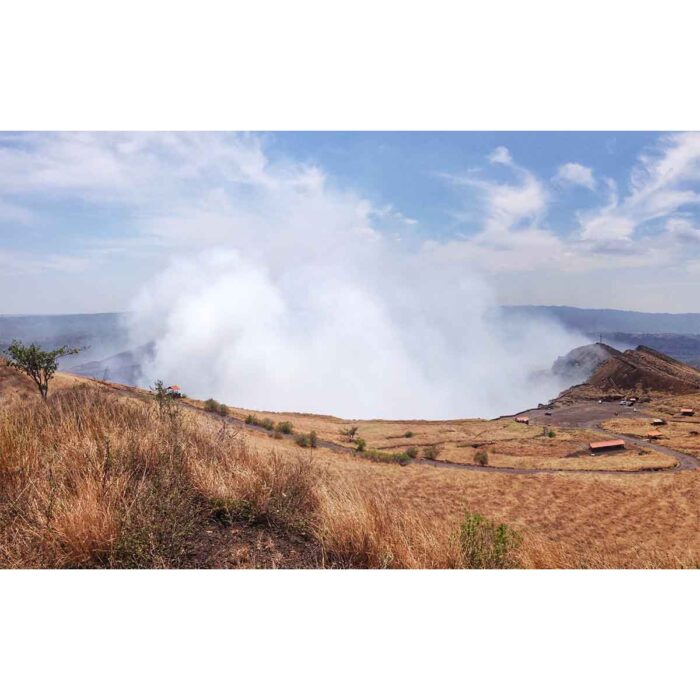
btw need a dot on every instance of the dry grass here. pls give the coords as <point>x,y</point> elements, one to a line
<point>95,478</point>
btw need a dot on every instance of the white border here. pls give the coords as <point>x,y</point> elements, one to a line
<point>268,65</point>
<point>362,65</point>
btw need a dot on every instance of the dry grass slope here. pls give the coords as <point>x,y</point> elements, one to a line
<point>94,479</point>
<point>102,478</point>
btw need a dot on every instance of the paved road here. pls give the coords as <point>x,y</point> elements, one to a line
<point>590,415</point>
<point>587,415</point>
<point>582,415</point>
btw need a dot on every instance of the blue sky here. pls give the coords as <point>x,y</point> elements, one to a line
<point>589,219</point>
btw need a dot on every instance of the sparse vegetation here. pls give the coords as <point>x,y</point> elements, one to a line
<point>481,457</point>
<point>285,427</point>
<point>432,451</point>
<point>412,452</point>
<point>360,444</point>
<point>408,434</point>
<point>307,439</point>
<point>213,406</point>
<point>386,457</point>
<point>265,423</point>
<point>349,433</point>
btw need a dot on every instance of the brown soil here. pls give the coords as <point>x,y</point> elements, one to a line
<point>242,546</point>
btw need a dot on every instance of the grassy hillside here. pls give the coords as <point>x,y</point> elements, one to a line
<point>102,477</point>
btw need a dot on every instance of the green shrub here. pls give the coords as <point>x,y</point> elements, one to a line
<point>408,434</point>
<point>360,444</point>
<point>412,452</point>
<point>551,434</point>
<point>260,422</point>
<point>486,545</point>
<point>432,451</point>
<point>304,440</point>
<point>387,457</point>
<point>481,457</point>
<point>211,405</point>
<point>285,427</point>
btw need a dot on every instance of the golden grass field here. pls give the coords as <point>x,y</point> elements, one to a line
<point>680,433</point>
<point>99,478</point>
<point>508,444</point>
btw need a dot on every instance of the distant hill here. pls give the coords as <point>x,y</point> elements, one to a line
<point>104,334</point>
<point>122,368</point>
<point>110,356</point>
<point>578,365</point>
<point>677,335</point>
<point>612,320</point>
<point>632,371</point>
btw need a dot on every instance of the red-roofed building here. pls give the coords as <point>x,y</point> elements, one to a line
<point>607,445</point>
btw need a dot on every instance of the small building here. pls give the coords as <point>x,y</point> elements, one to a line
<point>654,435</point>
<point>687,412</point>
<point>658,421</point>
<point>606,446</point>
<point>523,419</point>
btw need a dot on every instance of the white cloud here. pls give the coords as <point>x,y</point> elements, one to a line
<point>500,155</point>
<point>576,174</point>
<point>627,232</point>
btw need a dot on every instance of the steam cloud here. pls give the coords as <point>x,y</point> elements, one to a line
<point>285,292</point>
<point>362,330</point>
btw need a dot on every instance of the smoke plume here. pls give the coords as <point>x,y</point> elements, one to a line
<point>359,330</point>
<point>286,292</point>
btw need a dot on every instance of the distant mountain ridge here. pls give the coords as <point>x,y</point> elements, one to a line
<point>613,320</point>
<point>677,335</point>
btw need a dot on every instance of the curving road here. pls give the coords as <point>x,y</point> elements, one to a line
<point>590,415</point>
<point>582,415</point>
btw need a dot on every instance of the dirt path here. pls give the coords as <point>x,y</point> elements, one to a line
<point>584,415</point>
<point>580,418</point>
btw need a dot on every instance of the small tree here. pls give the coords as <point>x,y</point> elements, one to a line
<point>38,364</point>
<point>349,433</point>
<point>165,400</point>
